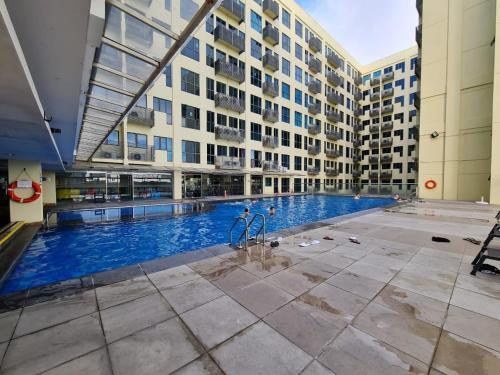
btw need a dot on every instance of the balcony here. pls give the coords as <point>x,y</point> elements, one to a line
<point>332,116</point>
<point>333,135</point>
<point>358,112</point>
<point>357,158</point>
<point>314,65</point>
<point>231,39</point>
<point>333,59</point>
<point>270,88</point>
<point>387,109</point>
<point>416,101</point>
<point>313,150</point>
<point>270,61</point>
<point>315,44</point>
<point>331,153</point>
<point>357,143</point>
<point>374,144</point>
<point>375,97</point>
<point>314,87</point>
<point>313,170</point>
<point>373,159</point>
<point>136,154</point>
<point>334,79</point>
<point>387,93</point>
<point>358,80</point>
<point>356,174</point>
<point>358,96</point>
<point>373,174</point>
<point>270,141</point>
<point>229,134</point>
<point>333,98</point>
<point>386,142</point>
<point>229,162</point>
<point>386,173</point>
<point>386,126</point>
<point>418,68</point>
<point>271,8</point>
<point>230,71</point>
<point>314,129</point>
<point>234,9</point>
<point>270,115</point>
<point>331,172</point>
<point>388,77</point>
<point>109,152</point>
<point>419,7</point>
<point>375,81</point>
<point>271,34</point>
<point>271,166</point>
<point>142,116</point>
<point>357,128</point>
<point>374,128</point>
<point>418,35</point>
<point>374,112</point>
<point>314,108</point>
<point>230,103</point>
<point>255,163</point>
<point>386,158</point>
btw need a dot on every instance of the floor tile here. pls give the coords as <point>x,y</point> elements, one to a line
<point>308,327</point>
<point>404,255</point>
<point>261,298</point>
<point>413,305</point>
<point>409,335</point>
<point>356,284</point>
<point>316,368</point>
<point>431,272</point>
<point>94,363</point>
<point>218,320</point>
<point>202,366</point>
<point>384,261</point>
<point>265,267</point>
<point>191,294</point>
<point>123,291</point>
<point>50,347</point>
<point>379,273</point>
<point>350,252</point>
<point>295,281</point>
<point>8,321</point>
<point>476,302</point>
<point>483,284</point>
<point>233,279</point>
<point>431,288</point>
<point>213,268</point>
<point>334,260</point>
<point>129,317</point>
<point>160,349</point>
<point>259,350</point>
<point>356,352</point>
<point>316,271</point>
<point>456,355</point>
<point>172,277</point>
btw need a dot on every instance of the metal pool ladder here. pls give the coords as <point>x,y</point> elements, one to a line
<point>244,236</point>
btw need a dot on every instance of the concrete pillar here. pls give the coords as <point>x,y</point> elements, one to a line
<point>49,187</point>
<point>177,182</point>
<point>248,184</point>
<point>26,170</point>
<point>495,130</point>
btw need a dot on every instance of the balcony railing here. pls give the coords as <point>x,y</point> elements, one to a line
<point>357,158</point>
<point>229,134</point>
<point>374,128</point>
<point>387,126</point>
<point>387,93</point>
<point>333,135</point>
<point>315,44</point>
<point>332,116</point>
<point>270,115</point>
<point>386,158</point>
<point>314,129</point>
<point>136,154</point>
<point>230,38</point>
<point>333,98</point>
<point>387,109</point>
<point>418,35</point>
<point>332,172</point>
<point>270,88</point>
<point>314,87</point>
<point>271,34</point>
<point>229,162</point>
<point>109,152</point>
<point>358,143</point>
<point>312,170</point>
<point>373,174</point>
<point>334,79</point>
<point>228,70</point>
<point>358,128</point>
<point>234,9</point>
<point>142,116</point>
<point>331,153</point>
<point>374,112</point>
<point>356,174</point>
<point>374,144</point>
<point>358,112</point>
<point>419,7</point>
<point>416,100</point>
<point>375,97</point>
<point>418,68</point>
<point>271,8</point>
<point>373,159</point>
<point>386,142</point>
<point>388,76</point>
<point>386,173</point>
<point>270,61</point>
<point>313,150</point>
<point>375,81</point>
<point>270,141</point>
<point>314,65</point>
<point>358,96</point>
<point>272,166</point>
<point>229,102</point>
<point>333,59</point>
<point>358,80</point>
<point>255,163</point>
<point>314,108</point>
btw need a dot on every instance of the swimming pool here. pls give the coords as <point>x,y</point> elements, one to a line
<point>71,251</point>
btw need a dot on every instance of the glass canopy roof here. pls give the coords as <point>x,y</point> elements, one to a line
<point>140,38</point>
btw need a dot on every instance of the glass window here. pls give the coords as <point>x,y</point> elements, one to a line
<point>168,75</point>
<point>255,77</point>
<point>190,152</point>
<point>256,21</point>
<point>113,138</point>
<point>285,42</point>
<point>137,140</point>
<point>255,104</point>
<point>298,51</point>
<point>400,83</point>
<point>298,28</point>
<point>413,79</point>
<point>164,144</point>
<point>209,50</point>
<point>285,67</point>
<point>255,131</point>
<point>210,122</point>
<point>285,90</point>
<point>210,88</point>
<point>298,97</point>
<point>285,115</point>
<point>400,99</point>
<point>298,74</point>
<point>192,49</point>
<point>190,82</point>
<point>190,117</point>
<point>210,154</point>
<point>285,17</point>
<point>401,66</point>
<point>164,106</point>
<point>256,49</point>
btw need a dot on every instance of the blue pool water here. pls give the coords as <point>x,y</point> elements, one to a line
<point>72,251</point>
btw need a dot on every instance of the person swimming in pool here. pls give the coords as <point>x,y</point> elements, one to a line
<point>357,196</point>
<point>272,211</point>
<point>246,212</point>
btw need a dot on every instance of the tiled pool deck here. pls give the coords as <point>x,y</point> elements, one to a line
<point>396,303</point>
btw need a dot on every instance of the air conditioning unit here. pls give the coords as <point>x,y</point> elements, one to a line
<point>134,114</point>
<point>137,156</point>
<point>108,155</point>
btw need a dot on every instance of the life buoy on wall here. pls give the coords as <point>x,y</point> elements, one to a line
<point>37,191</point>
<point>430,184</point>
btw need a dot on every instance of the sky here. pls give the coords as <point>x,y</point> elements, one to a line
<point>367,29</point>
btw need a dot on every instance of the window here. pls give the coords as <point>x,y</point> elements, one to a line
<point>285,42</point>
<point>413,62</point>
<point>298,74</point>
<point>192,49</point>
<point>113,138</point>
<point>269,181</point>
<point>137,140</point>
<point>210,154</point>
<point>388,69</point>
<point>190,152</point>
<point>400,83</point>
<point>298,51</point>
<point>285,67</point>
<point>298,29</point>
<point>210,88</point>
<point>285,115</point>
<point>256,49</point>
<point>285,162</point>
<point>164,106</point>
<point>285,138</point>
<point>400,99</point>
<point>190,117</point>
<point>256,22</point>
<point>413,79</point>
<point>255,104</point>
<point>401,66</point>
<point>255,131</point>
<point>209,52</point>
<point>298,97</point>
<point>209,24</point>
<point>285,90</point>
<point>168,75</point>
<point>285,17</point>
<point>298,119</point>
<point>210,122</point>
<point>164,144</point>
<point>190,82</point>
<point>255,77</point>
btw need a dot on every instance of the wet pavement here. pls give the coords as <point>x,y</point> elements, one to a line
<point>397,303</point>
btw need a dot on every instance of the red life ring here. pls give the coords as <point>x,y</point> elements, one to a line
<point>37,191</point>
<point>430,184</point>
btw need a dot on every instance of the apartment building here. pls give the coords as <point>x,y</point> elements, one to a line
<point>460,131</point>
<point>260,100</point>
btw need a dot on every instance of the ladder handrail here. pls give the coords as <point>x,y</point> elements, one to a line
<point>262,227</point>
<point>245,232</point>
